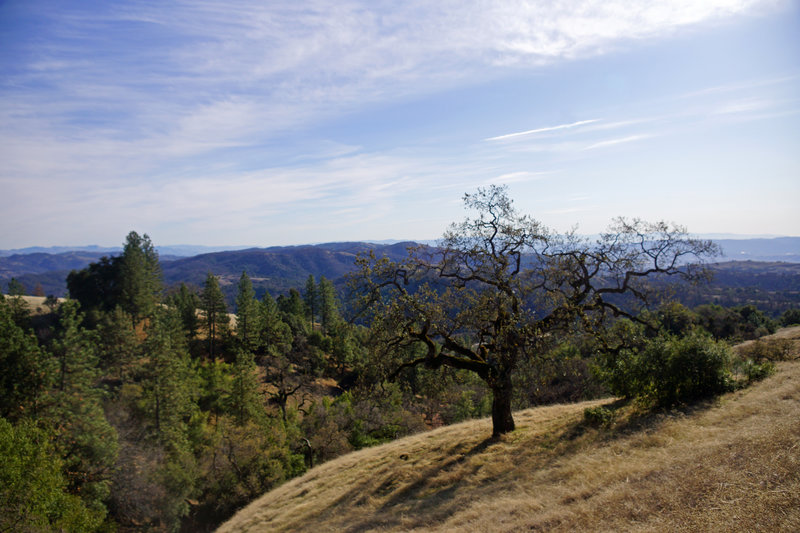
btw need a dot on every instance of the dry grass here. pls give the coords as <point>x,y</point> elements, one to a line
<point>35,303</point>
<point>728,465</point>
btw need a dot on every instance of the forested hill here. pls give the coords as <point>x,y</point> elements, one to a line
<point>277,269</point>
<point>772,286</point>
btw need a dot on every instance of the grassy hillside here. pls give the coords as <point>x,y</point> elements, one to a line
<point>732,464</point>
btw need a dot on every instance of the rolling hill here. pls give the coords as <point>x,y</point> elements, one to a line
<point>732,464</point>
<point>772,286</point>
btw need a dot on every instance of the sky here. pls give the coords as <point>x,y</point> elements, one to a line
<point>272,123</point>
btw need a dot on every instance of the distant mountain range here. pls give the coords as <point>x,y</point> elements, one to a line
<point>746,263</point>
<point>165,252</point>
<point>734,247</point>
<point>773,249</point>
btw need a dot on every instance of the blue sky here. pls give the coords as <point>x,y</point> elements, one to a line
<point>271,123</point>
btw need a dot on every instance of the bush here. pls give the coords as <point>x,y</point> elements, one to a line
<point>753,371</point>
<point>669,370</point>
<point>790,317</point>
<point>768,350</point>
<point>598,416</point>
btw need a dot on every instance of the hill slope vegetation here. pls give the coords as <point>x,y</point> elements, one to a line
<point>732,464</point>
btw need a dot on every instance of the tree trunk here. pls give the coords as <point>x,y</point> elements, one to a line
<point>502,421</point>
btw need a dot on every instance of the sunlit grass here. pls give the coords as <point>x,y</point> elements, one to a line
<point>731,464</point>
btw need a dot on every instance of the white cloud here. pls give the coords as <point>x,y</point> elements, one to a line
<point>614,142</point>
<point>150,109</point>
<point>513,177</point>
<point>541,130</point>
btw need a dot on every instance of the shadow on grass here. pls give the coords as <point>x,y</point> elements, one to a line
<point>432,506</point>
<point>624,417</point>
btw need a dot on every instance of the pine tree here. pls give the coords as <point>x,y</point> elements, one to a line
<point>140,277</point>
<point>118,345</point>
<point>187,302</point>
<point>26,370</point>
<point>216,313</point>
<point>83,437</point>
<point>249,322</point>
<point>169,400</point>
<point>168,381</point>
<point>310,298</point>
<point>328,306</point>
<point>246,398</point>
<point>276,335</point>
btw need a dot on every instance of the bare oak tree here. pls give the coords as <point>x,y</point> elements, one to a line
<point>500,286</point>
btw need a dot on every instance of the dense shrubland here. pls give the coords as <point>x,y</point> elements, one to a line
<point>132,407</point>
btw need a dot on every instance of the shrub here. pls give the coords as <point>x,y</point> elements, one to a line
<point>790,317</point>
<point>669,370</point>
<point>753,371</point>
<point>768,350</point>
<point>598,416</point>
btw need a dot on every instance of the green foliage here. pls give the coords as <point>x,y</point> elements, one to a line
<point>676,318</point>
<point>599,416</point>
<point>118,345</point>
<point>752,370</point>
<point>761,350</point>
<point>249,319</point>
<point>667,369</point>
<point>33,493</point>
<point>168,384</point>
<point>328,305</point>
<point>736,324</point>
<point>140,277</point>
<point>311,299</point>
<point>26,371</point>
<point>98,286</point>
<point>790,317</point>
<point>215,386</point>
<point>212,302</point>
<point>187,302</point>
<point>83,436</point>
<point>248,460</point>
<point>15,288</point>
<point>245,399</point>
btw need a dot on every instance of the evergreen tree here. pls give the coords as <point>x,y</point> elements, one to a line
<point>246,395</point>
<point>32,486</point>
<point>140,277</point>
<point>276,335</point>
<point>310,298</point>
<point>19,308</point>
<point>248,319</point>
<point>26,371</point>
<point>169,402</point>
<point>74,349</point>
<point>118,345</point>
<point>216,313</point>
<point>328,305</point>
<point>293,311</point>
<point>16,288</point>
<point>84,439</point>
<point>187,302</point>
<point>168,382</point>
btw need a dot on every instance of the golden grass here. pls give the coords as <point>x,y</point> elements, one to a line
<point>732,464</point>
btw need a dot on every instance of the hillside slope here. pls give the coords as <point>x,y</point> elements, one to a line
<point>732,464</point>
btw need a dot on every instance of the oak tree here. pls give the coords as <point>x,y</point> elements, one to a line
<point>500,286</point>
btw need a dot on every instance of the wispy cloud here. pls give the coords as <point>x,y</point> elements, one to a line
<point>514,177</point>
<point>161,110</point>
<point>542,130</point>
<point>614,142</point>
